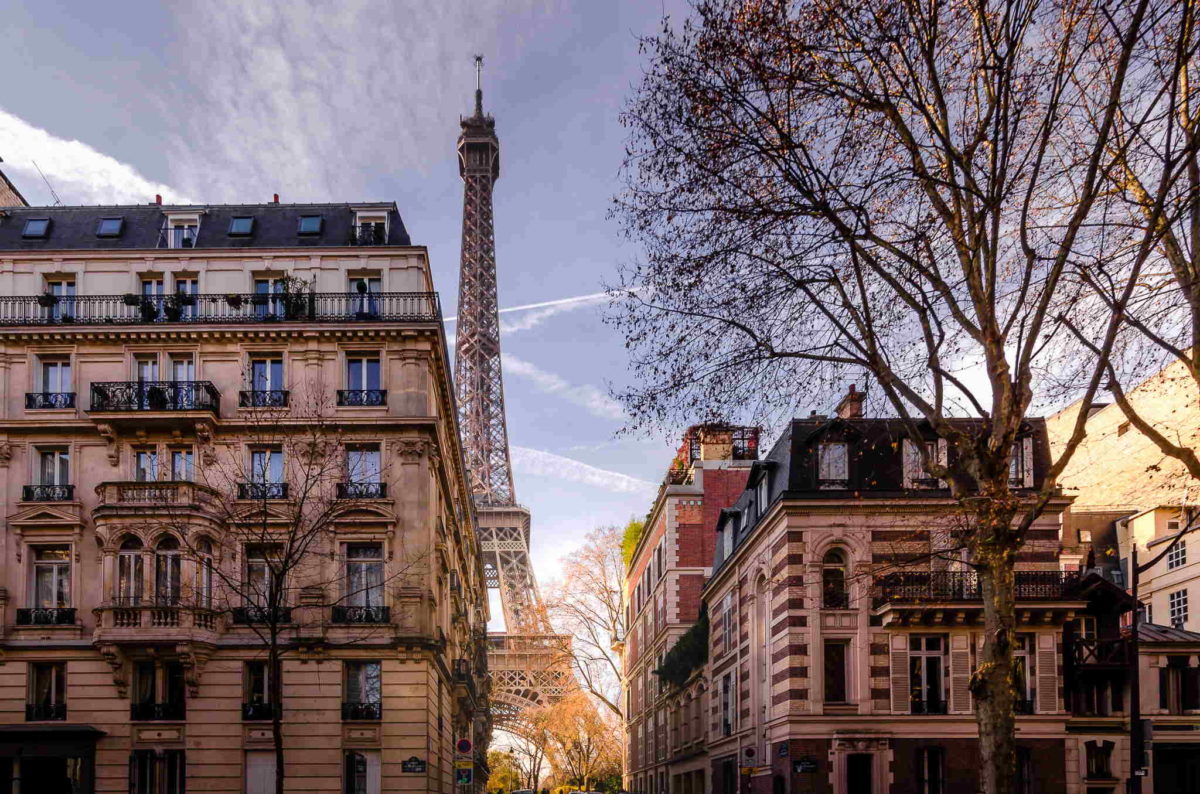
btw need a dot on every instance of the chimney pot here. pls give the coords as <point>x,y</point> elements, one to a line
<point>276,200</point>
<point>851,405</point>
<point>158,198</point>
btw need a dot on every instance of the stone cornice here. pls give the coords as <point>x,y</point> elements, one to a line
<point>242,332</point>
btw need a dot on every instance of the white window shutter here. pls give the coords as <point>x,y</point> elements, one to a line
<point>901,695</point>
<point>1027,460</point>
<point>942,458</point>
<point>1047,674</point>
<point>912,463</point>
<point>960,674</point>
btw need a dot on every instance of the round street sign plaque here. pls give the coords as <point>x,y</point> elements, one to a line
<point>463,746</point>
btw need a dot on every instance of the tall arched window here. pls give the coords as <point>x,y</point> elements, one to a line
<point>167,570</point>
<point>834,594</point>
<point>129,572</point>
<point>204,573</point>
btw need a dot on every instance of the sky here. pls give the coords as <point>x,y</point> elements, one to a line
<point>226,101</point>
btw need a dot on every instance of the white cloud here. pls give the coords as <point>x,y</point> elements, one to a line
<point>547,464</point>
<point>315,101</point>
<point>79,173</point>
<point>543,309</point>
<point>586,396</point>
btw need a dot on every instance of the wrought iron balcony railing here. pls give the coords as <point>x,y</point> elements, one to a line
<point>347,614</point>
<point>367,234</point>
<point>39,712</point>
<point>47,493</point>
<point>46,400</point>
<point>362,490</point>
<point>228,308</point>
<point>362,397</point>
<point>362,711</point>
<point>156,395</point>
<point>157,711</point>
<point>274,398</point>
<point>1100,653</point>
<point>256,614</point>
<point>258,711</point>
<point>46,616</point>
<point>262,490</point>
<point>918,587</point>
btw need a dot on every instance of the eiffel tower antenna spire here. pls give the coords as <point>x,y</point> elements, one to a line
<point>479,86</point>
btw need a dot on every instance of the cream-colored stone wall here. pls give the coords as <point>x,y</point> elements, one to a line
<point>427,536</point>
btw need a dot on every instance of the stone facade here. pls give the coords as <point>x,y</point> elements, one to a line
<point>666,730</point>
<point>131,649</point>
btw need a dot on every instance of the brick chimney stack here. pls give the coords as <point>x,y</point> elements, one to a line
<point>851,406</point>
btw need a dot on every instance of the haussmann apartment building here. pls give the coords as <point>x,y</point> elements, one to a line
<point>170,379</point>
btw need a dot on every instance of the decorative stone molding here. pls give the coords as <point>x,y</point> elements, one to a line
<point>411,450</point>
<point>859,744</point>
<point>6,453</point>
<point>116,660</point>
<point>193,657</point>
<point>109,435</point>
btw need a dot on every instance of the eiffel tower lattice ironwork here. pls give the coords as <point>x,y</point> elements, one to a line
<point>526,663</point>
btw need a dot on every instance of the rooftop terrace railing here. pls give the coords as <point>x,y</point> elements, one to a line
<point>228,308</point>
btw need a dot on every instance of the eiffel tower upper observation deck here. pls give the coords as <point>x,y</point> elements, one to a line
<point>526,663</point>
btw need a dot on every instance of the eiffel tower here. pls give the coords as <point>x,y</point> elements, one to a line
<point>526,661</point>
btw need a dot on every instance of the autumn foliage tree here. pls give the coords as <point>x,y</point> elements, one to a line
<point>914,192</point>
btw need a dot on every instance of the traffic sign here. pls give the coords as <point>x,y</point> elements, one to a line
<point>464,746</point>
<point>464,764</point>
<point>464,777</point>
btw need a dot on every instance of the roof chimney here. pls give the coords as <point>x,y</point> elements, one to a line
<point>158,199</point>
<point>276,200</point>
<point>850,406</point>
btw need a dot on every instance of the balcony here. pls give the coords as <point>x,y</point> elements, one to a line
<point>362,490</point>
<point>225,308</point>
<point>360,615</point>
<point>276,398</point>
<point>49,400</point>
<point>45,712</point>
<point>46,616</point>
<point>923,597</point>
<point>258,711</point>
<point>155,396</point>
<point>154,493</point>
<point>149,712</point>
<point>134,620</point>
<point>47,493</point>
<point>367,234</point>
<point>245,616</point>
<point>1097,654</point>
<point>260,491</point>
<point>368,398</point>
<point>362,711</point>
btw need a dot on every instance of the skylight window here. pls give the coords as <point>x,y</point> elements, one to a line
<point>36,228</point>
<point>241,227</point>
<point>110,227</point>
<point>310,224</point>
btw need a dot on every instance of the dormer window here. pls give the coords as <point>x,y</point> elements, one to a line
<point>915,475</point>
<point>833,465</point>
<point>1020,464</point>
<point>370,227</point>
<point>310,224</point>
<point>182,229</point>
<point>241,226</point>
<point>36,229</point>
<point>110,227</point>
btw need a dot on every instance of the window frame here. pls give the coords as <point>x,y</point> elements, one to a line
<point>54,368</point>
<point>1177,556</point>
<point>372,593</point>
<point>920,658</point>
<point>356,670</point>
<point>58,575</point>
<point>364,359</point>
<point>931,769</point>
<point>241,226</point>
<point>60,468</point>
<point>843,643</point>
<point>1177,607</point>
<point>31,231</point>
<point>56,692</point>
<point>829,464</point>
<point>110,233</point>
<point>300,230</point>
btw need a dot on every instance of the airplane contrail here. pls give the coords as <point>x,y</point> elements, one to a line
<point>559,302</point>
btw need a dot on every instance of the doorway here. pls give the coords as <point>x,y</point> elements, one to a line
<point>860,773</point>
<point>1176,769</point>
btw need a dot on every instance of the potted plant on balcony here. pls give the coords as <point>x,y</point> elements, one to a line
<point>47,299</point>
<point>148,310</point>
<point>295,297</point>
<point>132,299</point>
<point>174,304</point>
<point>233,300</point>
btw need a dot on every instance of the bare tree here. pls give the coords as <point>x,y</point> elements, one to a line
<point>529,753</point>
<point>259,524</point>
<point>585,607</point>
<point>826,189</point>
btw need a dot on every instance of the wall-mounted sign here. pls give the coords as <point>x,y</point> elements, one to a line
<point>804,765</point>
<point>783,750</point>
<point>413,765</point>
<point>463,746</point>
<point>464,777</point>
<point>467,764</point>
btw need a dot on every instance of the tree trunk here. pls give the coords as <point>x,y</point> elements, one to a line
<point>274,673</point>
<point>991,683</point>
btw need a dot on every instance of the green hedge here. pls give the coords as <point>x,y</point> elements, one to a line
<point>687,655</point>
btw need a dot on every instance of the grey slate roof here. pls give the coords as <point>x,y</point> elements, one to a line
<point>275,226</point>
<point>1152,632</point>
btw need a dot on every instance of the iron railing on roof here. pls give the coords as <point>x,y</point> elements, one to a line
<point>918,587</point>
<point>249,307</point>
